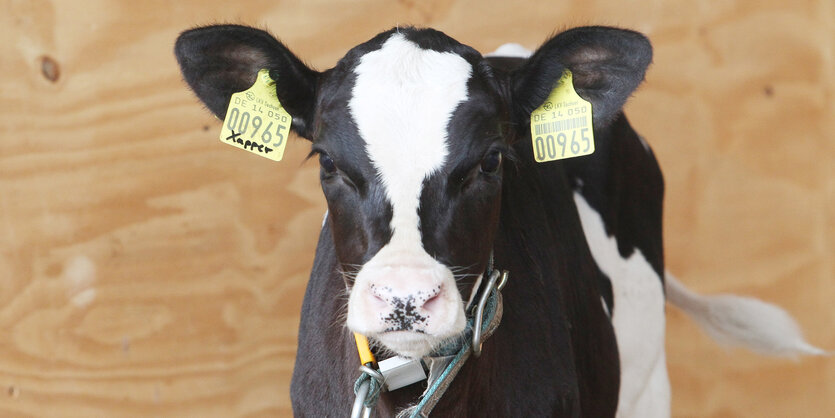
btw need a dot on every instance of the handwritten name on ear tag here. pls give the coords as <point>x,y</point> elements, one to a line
<point>255,120</point>
<point>561,127</point>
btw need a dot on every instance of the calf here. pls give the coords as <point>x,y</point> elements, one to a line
<point>428,171</point>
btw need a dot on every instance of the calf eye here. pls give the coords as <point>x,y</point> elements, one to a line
<point>327,163</point>
<point>491,163</point>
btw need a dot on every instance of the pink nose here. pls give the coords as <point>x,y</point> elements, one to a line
<point>407,308</point>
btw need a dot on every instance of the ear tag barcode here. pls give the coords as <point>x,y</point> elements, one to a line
<point>561,127</point>
<point>255,120</point>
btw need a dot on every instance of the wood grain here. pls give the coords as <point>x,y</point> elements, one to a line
<point>149,270</point>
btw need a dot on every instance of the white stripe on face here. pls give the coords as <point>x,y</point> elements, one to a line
<point>402,102</point>
<point>403,99</point>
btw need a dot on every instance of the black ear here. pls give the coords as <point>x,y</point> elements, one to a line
<point>220,60</point>
<point>607,65</point>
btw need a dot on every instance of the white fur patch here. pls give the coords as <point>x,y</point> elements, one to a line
<point>644,143</point>
<point>511,50</point>
<point>638,319</point>
<point>605,307</point>
<point>402,103</point>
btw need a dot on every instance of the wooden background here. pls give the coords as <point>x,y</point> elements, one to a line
<point>146,269</point>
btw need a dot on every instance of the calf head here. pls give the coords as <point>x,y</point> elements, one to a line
<point>413,131</point>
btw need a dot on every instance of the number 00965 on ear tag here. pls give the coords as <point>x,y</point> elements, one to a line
<point>561,127</point>
<point>255,120</point>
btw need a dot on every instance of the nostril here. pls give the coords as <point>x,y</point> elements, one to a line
<point>434,298</point>
<point>431,302</point>
<point>379,301</point>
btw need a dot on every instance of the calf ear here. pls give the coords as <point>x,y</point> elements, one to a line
<point>607,65</point>
<point>220,60</point>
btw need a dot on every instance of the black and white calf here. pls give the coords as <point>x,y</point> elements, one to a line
<point>427,168</point>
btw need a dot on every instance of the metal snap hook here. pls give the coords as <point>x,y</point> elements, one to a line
<point>503,280</point>
<point>478,320</point>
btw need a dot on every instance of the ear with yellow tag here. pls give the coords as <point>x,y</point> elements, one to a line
<point>606,65</point>
<point>562,126</point>
<point>256,121</point>
<point>220,61</point>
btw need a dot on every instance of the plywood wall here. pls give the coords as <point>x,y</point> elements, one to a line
<point>146,269</point>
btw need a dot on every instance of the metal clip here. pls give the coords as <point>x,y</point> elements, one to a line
<point>360,410</point>
<point>482,302</point>
<point>400,371</point>
<point>503,280</point>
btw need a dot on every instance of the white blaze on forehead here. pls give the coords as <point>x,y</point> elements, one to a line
<point>403,99</point>
<point>402,102</point>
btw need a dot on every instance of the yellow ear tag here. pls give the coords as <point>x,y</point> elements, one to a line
<point>561,127</point>
<point>255,120</point>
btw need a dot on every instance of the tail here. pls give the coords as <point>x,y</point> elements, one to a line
<point>742,321</point>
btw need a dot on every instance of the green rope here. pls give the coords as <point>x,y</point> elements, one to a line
<point>373,392</point>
